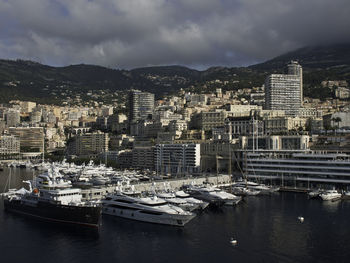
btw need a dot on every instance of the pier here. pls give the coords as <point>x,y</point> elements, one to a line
<point>294,189</point>
<point>98,192</point>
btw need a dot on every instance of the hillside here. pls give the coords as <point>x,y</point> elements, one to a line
<point>311,58</point>
<point>28,80</point>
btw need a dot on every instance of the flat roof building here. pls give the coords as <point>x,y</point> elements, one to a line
<point>285,91</point>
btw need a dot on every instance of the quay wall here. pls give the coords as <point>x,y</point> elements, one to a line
<point>97,193</point>
<point>175,184</point>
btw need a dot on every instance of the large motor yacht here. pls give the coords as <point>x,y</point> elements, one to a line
<point>213,195</point>
<point>146,209</point>
<point>59,205</point>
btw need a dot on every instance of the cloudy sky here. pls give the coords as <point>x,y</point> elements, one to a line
<point>196,33</point>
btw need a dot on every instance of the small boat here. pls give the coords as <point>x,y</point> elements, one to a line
<point>330,195</point>
<point>233,241</point>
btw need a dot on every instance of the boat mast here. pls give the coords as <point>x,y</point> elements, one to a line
<point>43,160</point>
<point>253,133</point>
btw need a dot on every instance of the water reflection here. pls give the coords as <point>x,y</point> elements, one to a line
<point>331,206</point>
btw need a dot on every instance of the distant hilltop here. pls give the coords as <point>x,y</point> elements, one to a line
<point>27,80</point>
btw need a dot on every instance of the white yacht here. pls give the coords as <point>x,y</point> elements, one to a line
<point>263,189</point>
<point>330,195</point>
<point>244,191</point>
<point>181,194</point>
<point>146,209</point>
<point>99,180</point>
<point>182,203</point>
<point>213,195</point>
<point>52,179</point>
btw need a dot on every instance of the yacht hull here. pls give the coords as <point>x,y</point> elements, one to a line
<point>330,197</point>
<point>157,218</point>
<point>79,215</point>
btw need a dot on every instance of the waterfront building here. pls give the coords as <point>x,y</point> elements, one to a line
<point>178,159</point>
<point>285,91</point>
<point>31,138</point>
<point>141,105</point>
<point>143,157</point>
<point>297,168</point>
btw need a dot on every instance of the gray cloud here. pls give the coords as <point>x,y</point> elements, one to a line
<point>198,33</point>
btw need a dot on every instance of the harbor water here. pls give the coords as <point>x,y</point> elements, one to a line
<point>266,228</point>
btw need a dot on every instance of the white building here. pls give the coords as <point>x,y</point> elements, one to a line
<point>285,91</point>
<point>141,105</point>
<point>178,159</point>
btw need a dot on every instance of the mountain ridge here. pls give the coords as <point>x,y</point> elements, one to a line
<point>25,79</point>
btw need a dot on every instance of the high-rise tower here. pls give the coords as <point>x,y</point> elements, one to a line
<point>141,105</point>
<point>285,91</point>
